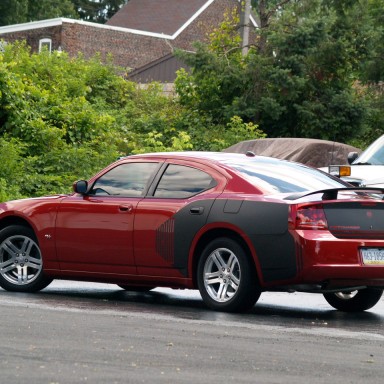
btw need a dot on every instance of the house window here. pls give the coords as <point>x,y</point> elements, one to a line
<point>2,45</point>
<point>45,44</point>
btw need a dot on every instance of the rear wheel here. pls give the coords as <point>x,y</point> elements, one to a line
<point>226,277</point>
<point>354,301</point>
<point>21,263</point>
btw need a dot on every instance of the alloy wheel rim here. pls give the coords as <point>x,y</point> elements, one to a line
<point>346,295</point>
<point>20,260</point>
<point>222,275</point>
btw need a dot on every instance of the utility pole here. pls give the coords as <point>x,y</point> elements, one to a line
<point>245,30</point>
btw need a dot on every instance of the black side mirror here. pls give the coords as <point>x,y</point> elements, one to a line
<point>352,156</point>
<point>81,187</point>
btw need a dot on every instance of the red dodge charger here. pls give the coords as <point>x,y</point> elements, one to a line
<point>230,225</point>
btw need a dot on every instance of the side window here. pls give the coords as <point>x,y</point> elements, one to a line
<point>179,182</point>
<point>126,180</point>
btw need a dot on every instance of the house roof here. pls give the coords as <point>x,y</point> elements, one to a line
<point>60,21</point>
<point>164,19</point>
<point>147,24</point>
<point>167,17</point>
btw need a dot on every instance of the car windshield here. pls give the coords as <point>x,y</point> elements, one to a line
<point>374,154</point>
<point>274,176</point>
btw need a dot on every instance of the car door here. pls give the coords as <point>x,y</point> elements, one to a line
<point>94,232</point>
<point>167,220</point>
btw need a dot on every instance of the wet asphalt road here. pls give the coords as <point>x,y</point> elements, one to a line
<point>93,333</point>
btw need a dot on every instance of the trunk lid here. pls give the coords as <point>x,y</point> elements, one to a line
<point>358,219</point>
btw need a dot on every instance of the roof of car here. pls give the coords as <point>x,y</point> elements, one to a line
<point>212,156</point>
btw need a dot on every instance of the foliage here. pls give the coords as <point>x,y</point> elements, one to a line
<point>207,136</point>
<point>314,69</point>
<point>23,11</point>
<point>48,9</point>
<point>217,76</point>
<point>374,122</point>
<point>299,77</point>
<point>63,119</point>
<point>12,12</point>
<point>97,11</point>
<point>59,119</point>
<point>373,65</point>
<point>44,107</point>
<point>11,169</point>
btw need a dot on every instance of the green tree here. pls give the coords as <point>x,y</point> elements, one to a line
<point>44,107</point>
<point>300,76</point>
<point>373,65</point>
<point>49,9</point>
<point>65,118</point>
<point>97,11</point>
<point>309,69</point>
<point>11,169</point>
<point>13,12</point>
<point>23,11</point>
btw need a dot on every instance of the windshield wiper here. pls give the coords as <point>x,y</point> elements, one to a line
<point>363,163</point>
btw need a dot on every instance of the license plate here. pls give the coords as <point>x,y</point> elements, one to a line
<point>373,256</point>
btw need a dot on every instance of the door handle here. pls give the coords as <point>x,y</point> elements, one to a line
<point>196,210</point>
<point>126,208</point>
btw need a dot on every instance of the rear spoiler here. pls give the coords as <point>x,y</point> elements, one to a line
<point>331,194</point>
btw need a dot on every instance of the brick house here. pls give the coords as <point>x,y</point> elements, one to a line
<point>141,36</point>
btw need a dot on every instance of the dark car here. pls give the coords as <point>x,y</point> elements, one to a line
<point>230,225</point>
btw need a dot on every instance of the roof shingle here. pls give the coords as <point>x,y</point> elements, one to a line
<point>156,16</point>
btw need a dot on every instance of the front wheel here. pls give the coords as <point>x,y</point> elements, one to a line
<point>21,263</point>
<point>226,277</point>
<point>354,301</point>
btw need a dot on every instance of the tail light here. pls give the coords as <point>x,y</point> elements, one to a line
<point>308,217</point>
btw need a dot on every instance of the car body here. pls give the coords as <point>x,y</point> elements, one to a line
<point>366,169</point>
<point>230,225</point>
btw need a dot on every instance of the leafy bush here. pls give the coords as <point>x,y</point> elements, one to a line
<point>62,119</point>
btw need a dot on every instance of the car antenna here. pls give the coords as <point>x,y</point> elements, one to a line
<point>250,154</point>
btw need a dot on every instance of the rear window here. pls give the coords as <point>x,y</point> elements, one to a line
<point>278,176</point>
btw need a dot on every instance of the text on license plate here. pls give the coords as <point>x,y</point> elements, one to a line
<point>373,256</point>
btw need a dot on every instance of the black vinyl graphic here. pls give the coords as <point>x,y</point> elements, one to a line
<point>188,221</point>
<point>165,240</point>
<point>266,224</point>
<point>354,221</point>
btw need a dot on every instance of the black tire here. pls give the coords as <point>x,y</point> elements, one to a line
<point>133,288</point>
<point>354,301</point>
<point>226,277</point>
<point>21,262</point>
